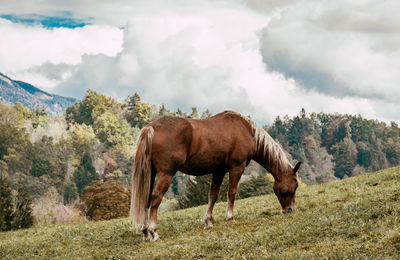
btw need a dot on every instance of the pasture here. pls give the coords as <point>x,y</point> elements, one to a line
<point>352,218</point>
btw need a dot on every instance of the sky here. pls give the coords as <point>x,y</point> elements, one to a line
<point>260,58</point>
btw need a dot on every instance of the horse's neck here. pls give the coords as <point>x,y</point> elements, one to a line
<point>261,160</point>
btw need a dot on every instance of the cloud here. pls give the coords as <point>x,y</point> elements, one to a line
<point>337,51</point>
<point>263,58</point>
<point>25,47</point>
<point>181,61</point>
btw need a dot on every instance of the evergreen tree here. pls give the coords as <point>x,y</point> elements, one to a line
<point>139,113</point>
<point>179,113</point>
<point>6,206</point>
<point>70,193</point>
<point>206,114</point>
<point>23,212</point>
<point>85,173</point>
<point>255,186</point>
<point>197,190</point>
<point>345,156</point>
<point>194,113</point>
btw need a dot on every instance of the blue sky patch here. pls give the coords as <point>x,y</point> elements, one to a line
<point>45,21</point>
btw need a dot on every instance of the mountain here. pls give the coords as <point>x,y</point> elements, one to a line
<point>13,91</point>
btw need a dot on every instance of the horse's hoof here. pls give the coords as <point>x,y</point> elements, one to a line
<point>146,235</point>
<point>155,237</point>
<point>208,223</point>
<point>230,218</point>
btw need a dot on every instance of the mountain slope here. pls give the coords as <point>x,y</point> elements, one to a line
<point>12,91</point>
<point>355,218</point>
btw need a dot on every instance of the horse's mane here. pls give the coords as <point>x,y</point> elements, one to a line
<point>267,147</point>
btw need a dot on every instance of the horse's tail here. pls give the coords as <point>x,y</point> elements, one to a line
<point>142,175</point>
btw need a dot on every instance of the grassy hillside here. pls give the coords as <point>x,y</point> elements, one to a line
<point>354,218</point>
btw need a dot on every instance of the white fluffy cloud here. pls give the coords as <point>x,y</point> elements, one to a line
<point>349,53</point>
<point>262,59</point>
<point>24,49</point>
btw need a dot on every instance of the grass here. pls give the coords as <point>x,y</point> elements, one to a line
<point>355,218</point>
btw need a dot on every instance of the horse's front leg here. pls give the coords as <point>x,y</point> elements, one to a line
<point>216,182</point>
<point>163,183</point>
<point>234,177</point>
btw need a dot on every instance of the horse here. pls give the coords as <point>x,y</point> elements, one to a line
<point>226,142</point>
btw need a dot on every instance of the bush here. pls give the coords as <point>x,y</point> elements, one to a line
<point>6,206</point>
<point>70,193</point>
<point>105,200</point>
<point>85,174</point>
<point>197,190</point>
<point>49,210</point>
<point>23,212</point>
<point>21,215</point>
<point>256,186</point>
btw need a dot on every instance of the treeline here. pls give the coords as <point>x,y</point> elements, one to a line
<point>90,150</point>
<point>92,143</point>
<point>337,146</point>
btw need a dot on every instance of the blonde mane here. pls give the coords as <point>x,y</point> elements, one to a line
<point>266,147</point>
<point>269,149</point>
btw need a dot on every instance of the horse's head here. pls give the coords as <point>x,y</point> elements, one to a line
<point>285,188</point>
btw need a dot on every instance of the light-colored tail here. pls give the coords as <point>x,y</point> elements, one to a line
<point>142,175</point>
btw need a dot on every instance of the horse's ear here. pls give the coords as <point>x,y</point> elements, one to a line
<point>296,168</point>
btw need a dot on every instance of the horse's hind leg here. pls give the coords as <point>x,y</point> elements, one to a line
<point>163,183</point>
<point>212,198</point>
<point>145,228</point>
<point>234,177</point>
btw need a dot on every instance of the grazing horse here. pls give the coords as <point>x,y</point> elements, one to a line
<point>226,142</point>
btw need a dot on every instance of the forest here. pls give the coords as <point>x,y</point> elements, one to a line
<point>73,167</point>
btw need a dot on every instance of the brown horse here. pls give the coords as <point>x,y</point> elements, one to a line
<point>226,142</point>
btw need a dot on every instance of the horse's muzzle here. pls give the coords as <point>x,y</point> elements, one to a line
<point>288,210</point>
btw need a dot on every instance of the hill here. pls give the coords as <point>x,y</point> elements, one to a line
<point>12,91</point>
<point>356,217</point>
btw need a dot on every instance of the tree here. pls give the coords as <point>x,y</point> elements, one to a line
<point>23,212</point>
<point>194,113</point>
<point>6,206</point>
<point>40,167</point>
<point>112,131</point>
<point>89,109</point>
<point>345,156</point>
<point>197,190</point>
<point>164,112</point>
<point>206,114</point>
<point>179,113</point>
<point>70,193</point>
<point>256,186</point>
<point>80,139</point>
<point>139,113</point>
<point>85,173</point>
<point>106,200</point>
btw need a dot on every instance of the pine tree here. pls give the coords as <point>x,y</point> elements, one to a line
<point>6,206</point>
<point>197,190</point>
<point>194,113</point>
<point>23,212</point>
<point>85,173</point>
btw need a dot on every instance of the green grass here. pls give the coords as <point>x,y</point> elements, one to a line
<point>355,218</point>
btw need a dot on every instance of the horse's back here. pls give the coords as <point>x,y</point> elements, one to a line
<point>201,146</point>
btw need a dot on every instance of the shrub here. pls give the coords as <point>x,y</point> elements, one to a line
<point>70,193</point>
<point>49,210</point>
<point>105,200</point>
<point>197,190</point>
<point>6,206</point>
<point>23,212</point>
<point>256,186</point>
<point>16,217</point>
